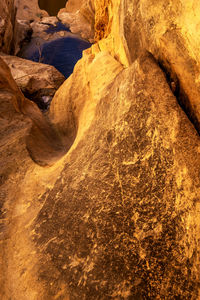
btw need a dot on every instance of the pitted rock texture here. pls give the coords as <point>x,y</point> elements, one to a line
<point>122,219</point>
<point>119,217</point>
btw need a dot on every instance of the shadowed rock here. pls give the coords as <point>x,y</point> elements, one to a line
<point>61,53</point>
<point>38,82</point>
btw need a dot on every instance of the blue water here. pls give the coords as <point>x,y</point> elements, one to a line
<point>59,27</point>
<point>62,53</point>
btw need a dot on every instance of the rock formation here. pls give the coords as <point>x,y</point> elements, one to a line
<point>29,10</point>
<point>79,16</point>
<point>100,199</point>
<point>37,81</point>
<point>7,20</point>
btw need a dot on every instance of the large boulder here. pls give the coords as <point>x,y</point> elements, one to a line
<point>37,81</point>
<point>7,21</point>
<point>49,28</point>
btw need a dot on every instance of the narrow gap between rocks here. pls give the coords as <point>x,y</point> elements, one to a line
<point>179,93</point>
<point>52,6</point>
<point>51,43</point>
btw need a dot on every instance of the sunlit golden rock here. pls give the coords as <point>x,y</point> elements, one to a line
<point>167,29</point>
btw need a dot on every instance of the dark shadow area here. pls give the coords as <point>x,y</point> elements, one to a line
<point>179,93</point>
<point>44,142</point>
<point>52,6</point>
<point>62,53</point>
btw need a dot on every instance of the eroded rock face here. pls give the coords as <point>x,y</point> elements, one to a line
<point>7,20</point>
<point>37,81</point>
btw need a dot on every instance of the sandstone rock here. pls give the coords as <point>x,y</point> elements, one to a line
<point>79,17</point>
<point>117,217</point>
<point>15,161</point>
<point>74,5</point>
<point>22,35</point>
<point>121,216</point>
<point>78,24</point>
<point>37,81</point>
<point>128,196</point>
<point>7,20</point>
<point>49,29</point>
<point>49,20</point>
<point>167,30</point>
<point>29,10</point>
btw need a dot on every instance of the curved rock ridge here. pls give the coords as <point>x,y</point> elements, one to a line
<point>45,132</point>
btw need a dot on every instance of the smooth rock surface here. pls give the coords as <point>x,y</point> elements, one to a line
<point>37,81</point>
